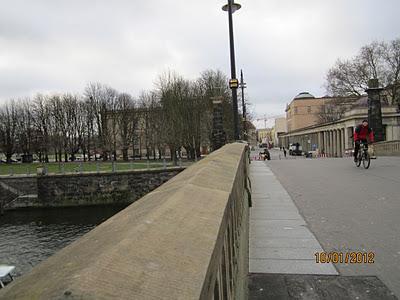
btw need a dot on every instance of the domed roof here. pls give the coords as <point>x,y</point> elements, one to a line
<point>304,95</point>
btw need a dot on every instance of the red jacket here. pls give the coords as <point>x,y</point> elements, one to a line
<point>361,133</point>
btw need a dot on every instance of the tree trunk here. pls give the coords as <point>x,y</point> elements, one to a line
<point>125,154</point>
<point>8,157</point>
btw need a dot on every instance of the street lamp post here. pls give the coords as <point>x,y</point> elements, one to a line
<point>233,83</point>
<point>243,86</point>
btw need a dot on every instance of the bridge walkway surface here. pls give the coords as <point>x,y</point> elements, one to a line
<point>282,262</point>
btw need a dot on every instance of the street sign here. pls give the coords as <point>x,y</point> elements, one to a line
<point>233,83</point>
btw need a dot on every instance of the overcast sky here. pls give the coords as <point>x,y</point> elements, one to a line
<point>283,46</point>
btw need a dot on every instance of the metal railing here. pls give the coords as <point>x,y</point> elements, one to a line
<point>62,168</point>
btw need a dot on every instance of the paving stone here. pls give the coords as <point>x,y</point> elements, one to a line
<point>280,241</point>
<point>317,287</point>
<point>284,242</point>
<point>290,266</point>
<point>283,253</point>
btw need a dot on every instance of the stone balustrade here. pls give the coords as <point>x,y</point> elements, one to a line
<point>390,148</point>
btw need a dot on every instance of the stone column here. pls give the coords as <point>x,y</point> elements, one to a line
<point>346,138</point>
<point>319,141</point>
<point>328,143</point>
<point>343,140</point>
<point>339,142</point>
<point>374,109</point>
<point>331,144</point>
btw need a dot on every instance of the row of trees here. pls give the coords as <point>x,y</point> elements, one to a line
<point>380,60</point>
<point>176,114</point>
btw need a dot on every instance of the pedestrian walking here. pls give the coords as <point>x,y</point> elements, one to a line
<point>284,152</point>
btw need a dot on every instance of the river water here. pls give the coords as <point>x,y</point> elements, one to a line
<point>28,237</point>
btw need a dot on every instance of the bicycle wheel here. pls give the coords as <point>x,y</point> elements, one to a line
<point>366,160</point>
<point>358,161</point>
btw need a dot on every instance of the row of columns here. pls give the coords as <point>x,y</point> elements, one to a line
<point>331,142</point>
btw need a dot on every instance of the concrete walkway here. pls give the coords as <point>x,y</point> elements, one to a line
<point>280,241</point>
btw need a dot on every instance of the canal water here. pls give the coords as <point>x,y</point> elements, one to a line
<point>28,237</point>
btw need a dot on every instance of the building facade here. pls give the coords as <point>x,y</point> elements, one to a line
<point>336,138</point>
<point>306,110</point>
<point>280,128</point>
<point>326,125</point>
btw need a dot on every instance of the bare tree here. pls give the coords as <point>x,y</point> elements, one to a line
<point>25,126</point>
<point>391,55</point>
<point>126,121</point>
<point>8,129</point>
<point>151,124</point>
<point>90,133</point>
<point>376,60</point>
<point>74,124</point>
<point>41,112</point>
<point>334,108</point>
<point>102,101</point>
<point>214,84</point>
<point>346,78</point>
<point>57,127</point>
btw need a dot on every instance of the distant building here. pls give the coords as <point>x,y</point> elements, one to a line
<point>280,128</point>
<point>251,133</point>
<point>330,132</point>
<point>265,136</point>
<point>306,110</point>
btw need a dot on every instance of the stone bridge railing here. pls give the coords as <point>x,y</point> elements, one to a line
<point>188,239</point>
<point>390,148</point>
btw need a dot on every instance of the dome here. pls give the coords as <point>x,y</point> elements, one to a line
<point>304,95</point>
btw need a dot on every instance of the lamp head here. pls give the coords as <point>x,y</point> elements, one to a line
<point>235,7</point>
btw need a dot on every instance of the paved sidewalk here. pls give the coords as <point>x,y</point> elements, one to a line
<point>280,241</point>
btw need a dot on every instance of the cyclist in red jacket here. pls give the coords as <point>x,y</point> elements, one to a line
<point>361,133</point>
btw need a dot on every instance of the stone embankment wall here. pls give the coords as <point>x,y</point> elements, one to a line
<point>82,189</point>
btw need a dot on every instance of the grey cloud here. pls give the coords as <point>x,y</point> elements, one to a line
<point>284,46</point>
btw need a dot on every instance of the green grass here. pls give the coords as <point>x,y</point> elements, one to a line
<point>77,167</point>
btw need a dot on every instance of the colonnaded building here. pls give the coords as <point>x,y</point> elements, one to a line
<point>326,124</point>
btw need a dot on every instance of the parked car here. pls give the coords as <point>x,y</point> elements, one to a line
<point>295,149</point>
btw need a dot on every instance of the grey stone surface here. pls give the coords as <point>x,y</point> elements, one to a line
<point>317,287</point>
<point>350,209</point>
<point>290,266</point>
<point>284,242</point>
<point>283,253</point>
<point>280,241</point>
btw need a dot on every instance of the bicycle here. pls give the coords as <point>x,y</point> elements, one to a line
<point>363,156</point>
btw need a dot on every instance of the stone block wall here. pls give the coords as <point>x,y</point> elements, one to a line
<point>81,189</point>
<point>103,188</point>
